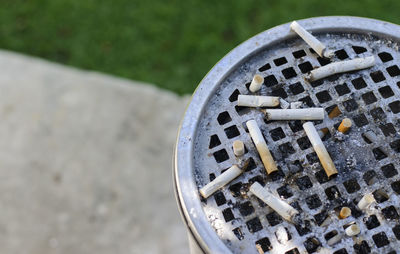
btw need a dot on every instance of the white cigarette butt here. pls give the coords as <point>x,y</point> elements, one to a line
<point>282,208</point>
<point>257,101</point>
<point>281,235</point>
<point>353,230</point>
<point>320,149</point>
<point>220,181</point>
<point>295,114</point>
<point>366,201</point>
<point>335,239</point>
<point>341,67</point>
<point>261,145</point>
<point>284,104</point>
<point>313,42</point>
<point>256,83</point>
<point>238,148</point>
<point>296,104</point>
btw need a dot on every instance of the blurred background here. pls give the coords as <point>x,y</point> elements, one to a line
<point>86,133</point>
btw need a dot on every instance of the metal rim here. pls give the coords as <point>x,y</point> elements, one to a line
<point>186,189</point>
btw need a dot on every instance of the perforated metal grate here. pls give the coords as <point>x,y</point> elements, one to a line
<point>371,98</point>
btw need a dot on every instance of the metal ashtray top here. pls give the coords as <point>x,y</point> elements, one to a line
<point>366,157</point>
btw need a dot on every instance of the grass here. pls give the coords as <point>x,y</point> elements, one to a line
<point>169,43</point>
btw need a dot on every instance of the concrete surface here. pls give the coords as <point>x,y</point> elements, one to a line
<point>85,162</point>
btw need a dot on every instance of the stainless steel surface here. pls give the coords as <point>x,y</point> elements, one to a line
<point>232,221</point>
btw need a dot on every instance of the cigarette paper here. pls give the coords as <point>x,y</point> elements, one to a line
<point>344,212</point>
<point>345,125</point>
<point>335,239</point>
<point>257,101</point>
<point>295,114</point>
<point>370,136</point>
<point>366,201</point>
<point>238,148</point>
<point>296,104</point>
<point>313,42</point>
<point>284,104</point>
<point>320,149</point>
<point>282,208</point>
<point>261,145</point>
<point>256,83</point>
<point>340,67</point>
<point>352,230</point>
<point>220,181</point>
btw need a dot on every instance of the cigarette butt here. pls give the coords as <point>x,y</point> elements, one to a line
<point>352,230</point>
<point>295,114</point>
<point>335,112</point>
<point>320,149</point>
<point>345,125</point>
<point>256,83</point>
<point>313,42</point>
<point>261,145</point>
<point>238,148</point>
<point>257,101</point>
<point>335,239</point>
<point>278,205</point>
<point>296,104</point>
<point>220,181</point>
<point>341,67</point>
<point>344,212</point>
<point>322,132</point>
<point>366,201</point>
<point>281,235</point>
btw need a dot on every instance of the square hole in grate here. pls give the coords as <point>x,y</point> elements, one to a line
<point>280,61</point>
<point>359,83</point>
<point>246,208</point>
<point>308,101</point>
<point>295,167</point>
<point>280,92</point>
<point>396,231</point>
<point>277,134</point>
<point>386,92</point>
<point>393,71</point>
<point>395,145</point>
<point>238,233</point>
<point>320,217</point>
<point>321,176</point>
<point>254,225</point>
<point>342,89</point>
<point>293,251</point>
<point>284,191</point>
<point>359,49</point>
<point>313,201</point>
<point>303,228</point>
<point>377,114</point>
<point>380,239</point>
<point>221,155</point>
<point>385,57</point>
<point>362,248</point>
<point>377,76</point>
<point>270,80</point>
<point>360,120</point>
<point>316,83</point>
<point>263,245</point>
<point>351,185</point>
<point>296,88</point>
<point>323,61</point>
<point>295,126</point>
<point>286,149</point>
<point>323,96</point>
<point>371,222</point>
<point>332,193</point>
<point>341,251</point>
<point>312,244</point>
<point>387,129</point>
<point>234,96</point>
<point>277,175</point>
<point>224,118</point>
<point>390,213</point>
<point>299,53</point>
<point>260,179</point>
<point>312,158</point>
<point>370,177</point>
<point>232,131</point>
<point>379,154</point>
<point>242,110</point>
<point>214,141</point>
<point>304,143</point>
<point>380,195</point>
<point>235,189</point>
<point>396,187</point>
<point>350,105</point>
<point>265,67</point>
<point>251,164</point>
<point>228,215</point>
<point>305,67</point>
<point>273,219</point>
<point>304,182</point>
<point>341,54</point>
<point>395,106</point>
<point>369,98</point>
<point>219,198</point>
<point>289,73</point>
<point>212,177</point>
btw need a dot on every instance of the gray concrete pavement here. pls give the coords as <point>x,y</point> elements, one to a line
<point>85,162</point>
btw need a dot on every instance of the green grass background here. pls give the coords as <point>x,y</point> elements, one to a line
<point>170,43</point>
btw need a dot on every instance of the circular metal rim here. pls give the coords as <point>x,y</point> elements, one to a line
<point>185,186</point>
